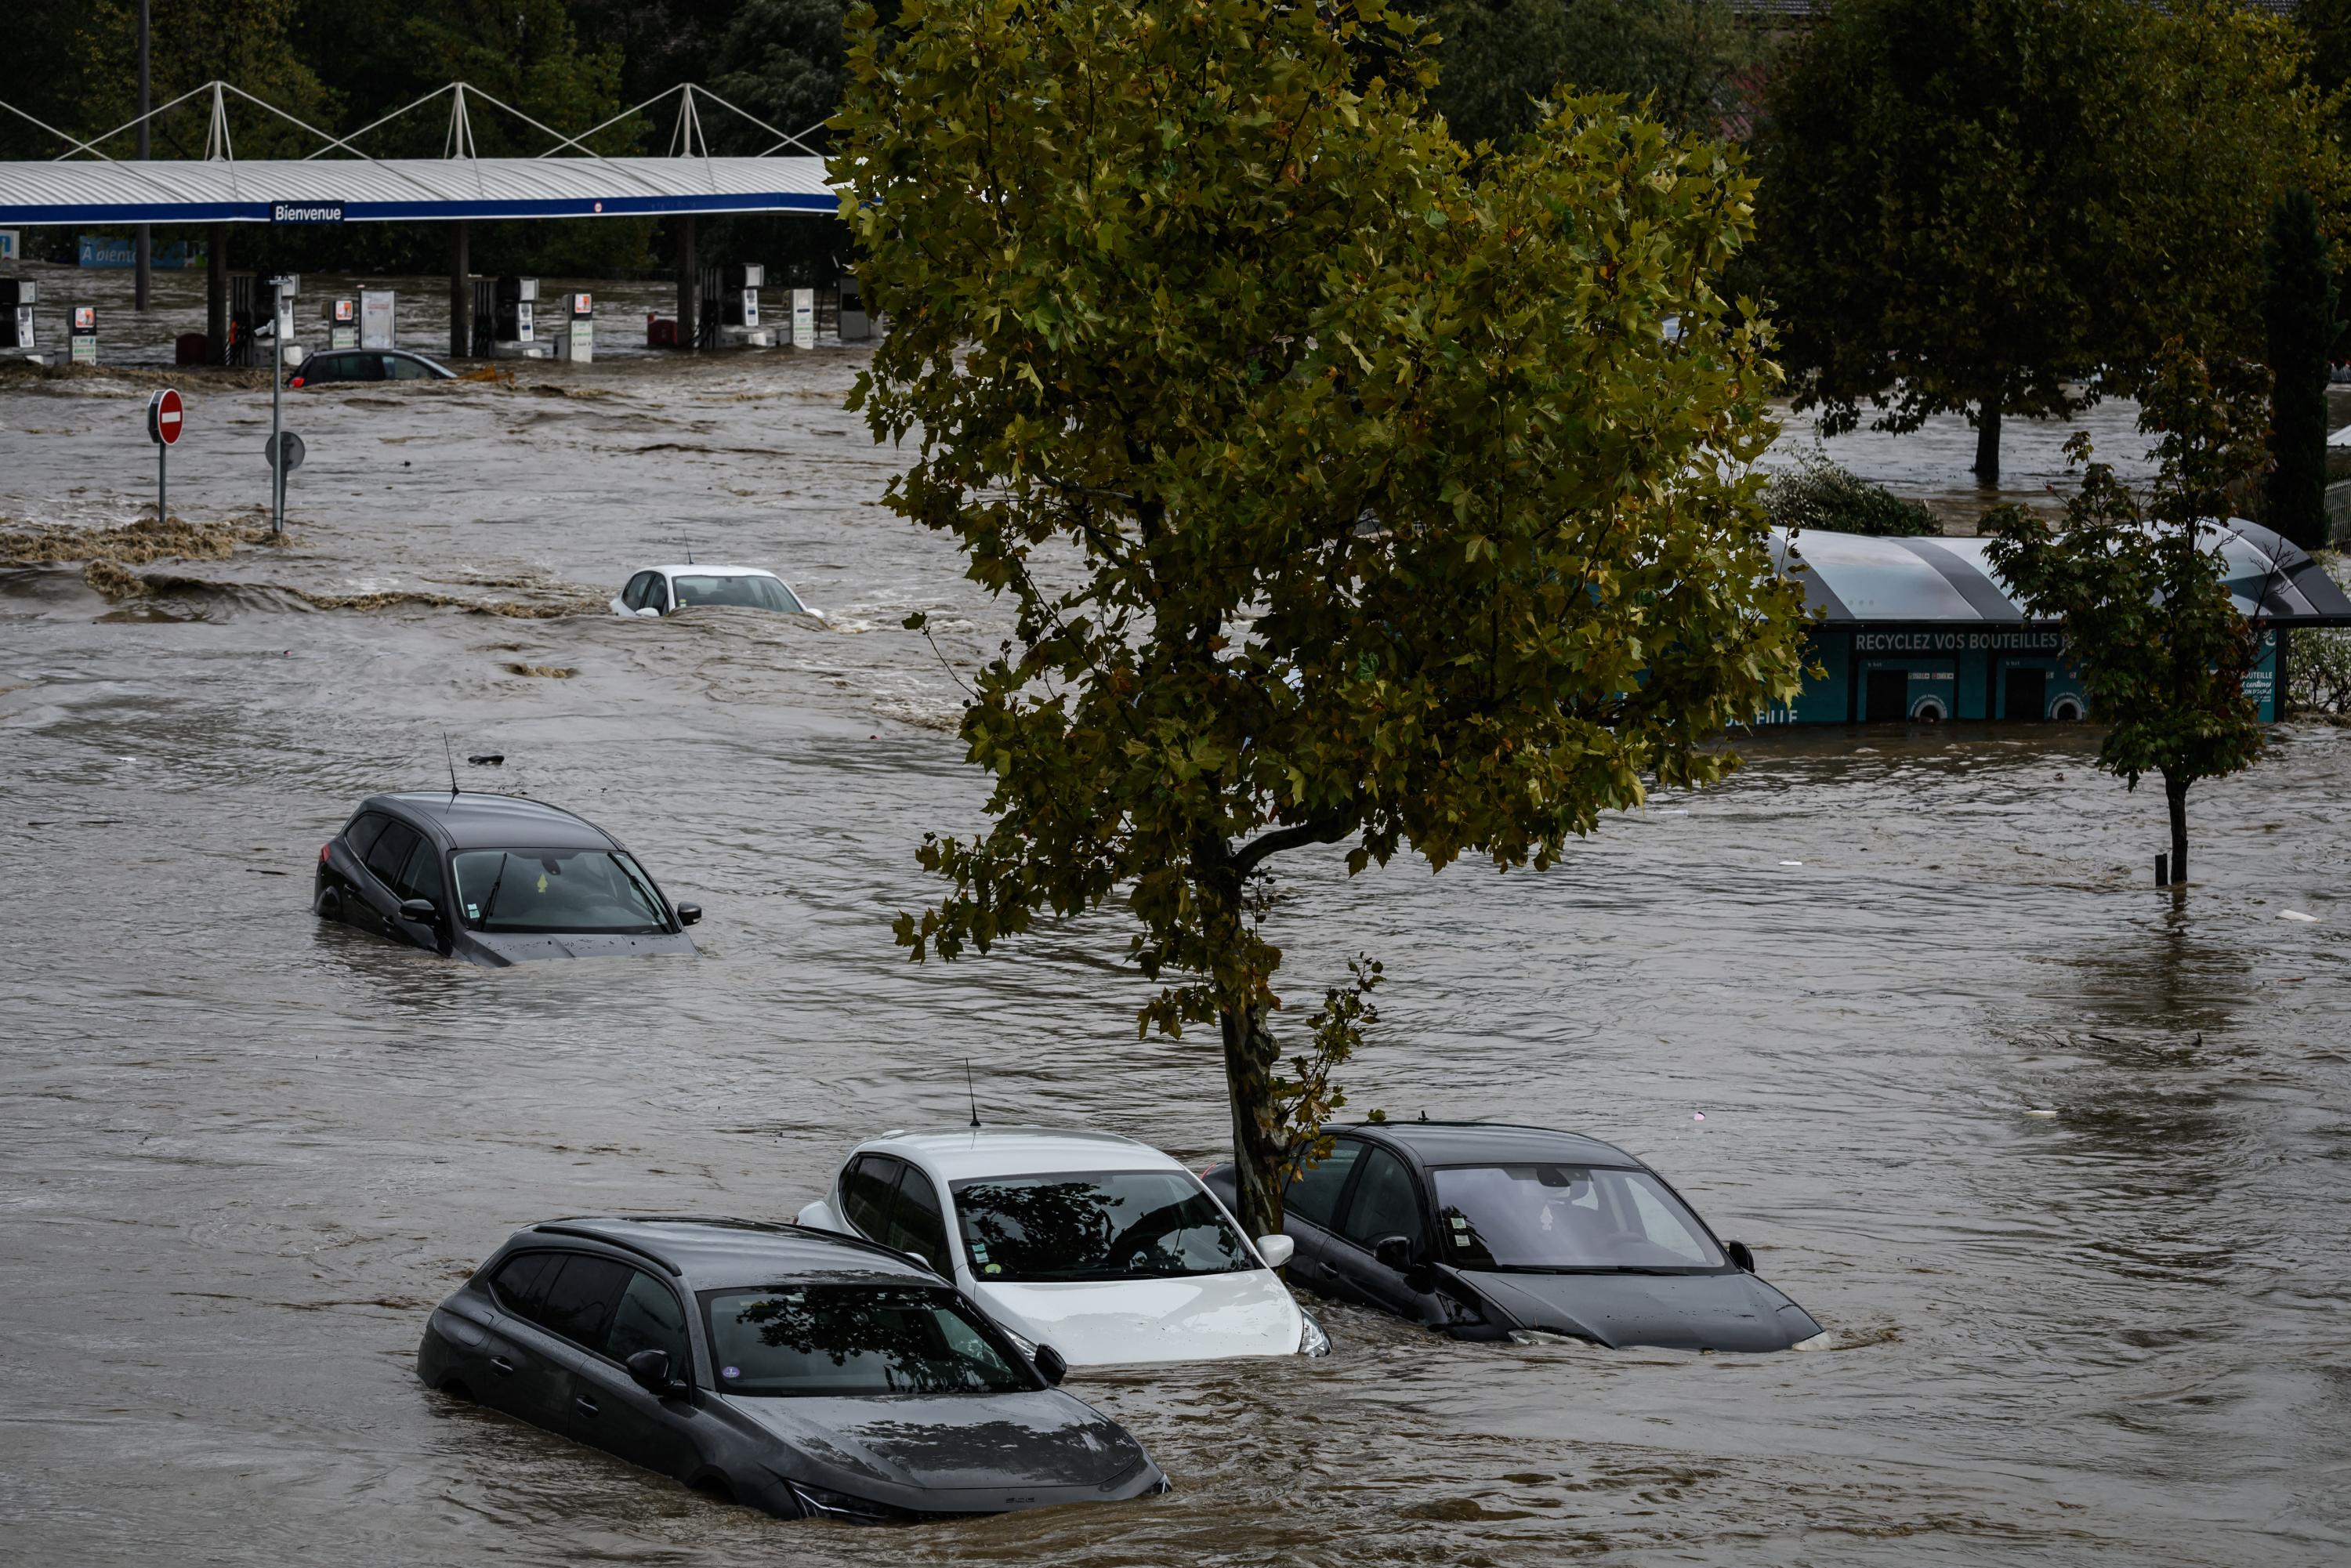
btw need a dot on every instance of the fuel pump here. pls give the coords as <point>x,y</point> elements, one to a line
<point>579,339</point>
<point>243,316</point>
<point>740,300</point>
<point>855,328</point>
<point>517,304</point>
<point>17,295</point>
<point>84,342</point>
<point>378,318</point>
<point>342,323</point>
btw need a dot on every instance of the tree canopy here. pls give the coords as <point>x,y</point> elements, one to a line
<point>1687,63</point>
<point>2004,206</point>
<point>1345,489</point>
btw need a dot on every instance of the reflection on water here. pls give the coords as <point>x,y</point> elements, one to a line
<point>245,1151</point>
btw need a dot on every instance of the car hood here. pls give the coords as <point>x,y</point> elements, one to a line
<point>950,1453</point>
<point>1200,1317</point>
<point>1683,1312</point>
<point>498,949</point>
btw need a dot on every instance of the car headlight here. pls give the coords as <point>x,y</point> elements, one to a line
<point>1312,1340</point>
<point>817,1502</point>
<point>1818,1342</point>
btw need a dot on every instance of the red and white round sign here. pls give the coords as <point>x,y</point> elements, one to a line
<point>163,419</point>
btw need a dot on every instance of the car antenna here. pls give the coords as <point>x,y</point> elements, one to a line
<point>452,756</point>
<point>969,1090</point>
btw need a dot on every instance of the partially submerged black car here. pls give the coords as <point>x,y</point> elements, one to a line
<point>494,879</point>
<point>1484,1230</point>
<point>810,1375</point>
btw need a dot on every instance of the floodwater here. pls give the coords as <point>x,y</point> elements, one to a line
<point>242,1153</point>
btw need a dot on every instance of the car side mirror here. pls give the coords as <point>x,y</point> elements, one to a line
<point>650,1370</point>
<point>1049,1366</point>
<point>687,914</point>
<point>1276,1250</point>
<point>1740,1258</point>
<point>1392,1252</point>
<point>653,611</point>
<point>420,910</point>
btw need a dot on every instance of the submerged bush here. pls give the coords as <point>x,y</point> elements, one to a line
<point>2318,662</point>
<point>1822,495</point>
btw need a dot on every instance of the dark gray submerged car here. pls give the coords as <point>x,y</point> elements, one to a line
<point>494,879</point>
<point>810,1375</point>
<point>1481,1230</point>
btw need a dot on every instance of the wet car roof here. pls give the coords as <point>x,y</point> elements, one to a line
<point>712,1252</point>
<point>501,821</point>
<point>691,569</point>
<point>1466,1143</point>
<point>965,1152</point>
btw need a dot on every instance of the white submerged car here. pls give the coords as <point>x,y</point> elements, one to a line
<point>1105,1249</point>
<point>666,589</point>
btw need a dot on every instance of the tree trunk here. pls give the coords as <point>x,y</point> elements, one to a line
<point>1250,1055</point>
<point>1987,468</point>
<point>2175,796</point>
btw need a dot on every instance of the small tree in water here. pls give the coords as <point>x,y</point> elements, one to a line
<point>2148,623</point>
<point>1346,490</point>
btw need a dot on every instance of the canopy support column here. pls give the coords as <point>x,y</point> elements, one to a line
<point>461,292</point>
<point>216,293</point>
<point>689,284</point>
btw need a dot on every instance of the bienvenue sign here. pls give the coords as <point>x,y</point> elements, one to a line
<point>2008,642</point>
<point>306,212</point>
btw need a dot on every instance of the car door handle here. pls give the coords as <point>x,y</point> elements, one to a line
<point>502,1366</point>
<point>586,1406</point>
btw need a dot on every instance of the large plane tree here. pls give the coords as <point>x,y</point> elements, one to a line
<point>1342,491</point>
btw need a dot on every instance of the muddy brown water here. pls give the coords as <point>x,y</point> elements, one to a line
<point>240,1152</point>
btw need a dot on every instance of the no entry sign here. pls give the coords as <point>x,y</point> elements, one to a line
<point>163,418</point>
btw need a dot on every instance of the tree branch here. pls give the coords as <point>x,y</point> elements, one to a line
<point>1318,831</point>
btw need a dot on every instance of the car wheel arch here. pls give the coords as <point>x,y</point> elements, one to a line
<point>713,1483</point>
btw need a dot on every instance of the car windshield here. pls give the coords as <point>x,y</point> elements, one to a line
<point>747,592</point>
<point>1546,1216</point>
<point>817,1340</point>
<point>1107,1224</point>
<point>557,890</point>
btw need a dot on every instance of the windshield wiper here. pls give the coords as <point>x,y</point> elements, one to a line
<point>659,917</point>
<point>491,902</point>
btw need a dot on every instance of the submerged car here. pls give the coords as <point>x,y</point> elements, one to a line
<point>1105,1248</point>
<point>494,879</point>
<point>1484,1230</point>
<point>806,1374</point>
<point>367,365</point>
<point>666,590</point>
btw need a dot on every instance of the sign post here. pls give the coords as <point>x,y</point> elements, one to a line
<point>164,423</point>
<point>281,304</point>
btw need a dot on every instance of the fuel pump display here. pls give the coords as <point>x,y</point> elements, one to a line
<point>342,324</point>
<point>517,304</point>
<point>84,342</point>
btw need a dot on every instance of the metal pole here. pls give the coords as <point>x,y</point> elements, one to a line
<point>276,402</point>
<point>146,236</point>
<point>461,295</point>
<point>162,513</point>
<point>689,281</point>
<point>216,291</point>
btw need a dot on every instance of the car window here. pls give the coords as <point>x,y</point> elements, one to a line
<point>419,877</point>
<point>557,890</point>
<point>390,851</point>
<point>916,1225</point>
<point>1385,1203</point>
<point>321,368</point>
<point>359,837</point>
<point>834,1340</point>
<point>1544,1215</point>
<point>355,368</point>
<point>580,1300</point>
<point>633,596</point>
<point>1096,1225</point>
<point>649,1318</point>
<point>744,592</point>
<point>520,1286</point>
<point>401,369</point>
<point>1313,1193</point>
<point>865,1189</point>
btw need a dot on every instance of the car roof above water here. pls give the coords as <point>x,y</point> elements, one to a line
<point>1479,1143</point>
<point>711,1252</point>
<point>705,569</point>
<point>500,822</point>
<point>965,1152</point>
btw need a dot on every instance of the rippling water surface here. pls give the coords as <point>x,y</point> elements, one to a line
<point>240,1152</point>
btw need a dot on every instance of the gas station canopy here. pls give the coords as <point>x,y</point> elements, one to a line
<point>1854,580</point>
<point>318,190</point>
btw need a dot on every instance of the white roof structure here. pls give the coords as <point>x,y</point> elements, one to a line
<point>394,190</point>
<point>342,183</point>
<point>964,1152</point>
